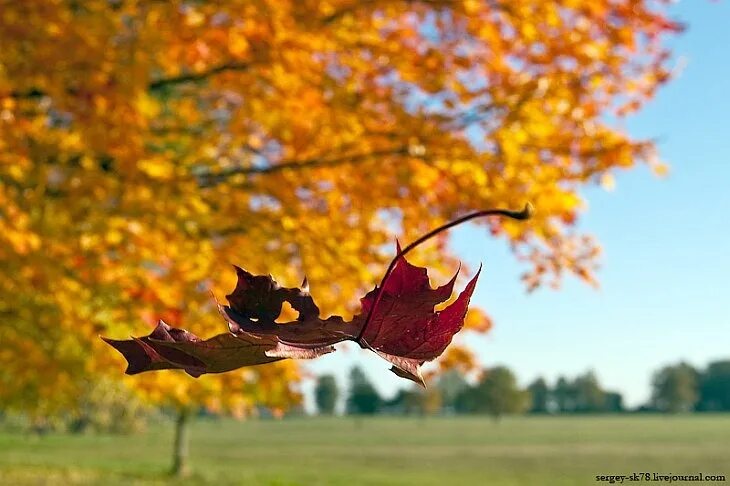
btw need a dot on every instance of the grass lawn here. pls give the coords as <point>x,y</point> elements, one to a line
<point>387,451</point>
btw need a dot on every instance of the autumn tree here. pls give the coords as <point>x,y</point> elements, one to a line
<point>146,145</point>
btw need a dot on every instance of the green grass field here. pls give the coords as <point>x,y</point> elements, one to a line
<point>387,451</point>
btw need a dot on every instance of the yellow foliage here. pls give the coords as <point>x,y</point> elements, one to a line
<point>477,320</point>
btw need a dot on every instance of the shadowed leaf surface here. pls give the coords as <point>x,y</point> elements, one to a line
<point>148,353</point>
<point>256,302</point>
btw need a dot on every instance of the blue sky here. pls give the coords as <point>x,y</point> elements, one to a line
<point>665,271</point>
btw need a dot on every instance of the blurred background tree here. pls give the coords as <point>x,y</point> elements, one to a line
<point>582,394</point>
<point>326,394</point>
<point>497,393</point>
<point>714,387</point>
<point>451,384</point>
<point>563,395</point>
<point>588,395</point>
<point>146,145</point>
<point>675,388</point>
<point>539,396</point>
<point>363,398</point>
<point>416,400</point>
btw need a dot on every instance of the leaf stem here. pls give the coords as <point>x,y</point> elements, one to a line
<point>526,213</point>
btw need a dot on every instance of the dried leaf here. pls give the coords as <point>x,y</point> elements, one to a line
<point>398,322</point>
<point>404,329</point>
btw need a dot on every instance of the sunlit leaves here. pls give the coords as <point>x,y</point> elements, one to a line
<point>144,145</point>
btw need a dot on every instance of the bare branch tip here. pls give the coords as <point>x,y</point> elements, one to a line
<point>527,212</point>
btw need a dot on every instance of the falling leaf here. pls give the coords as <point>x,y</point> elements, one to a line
<point>404,329</point>
<point>398,322</point>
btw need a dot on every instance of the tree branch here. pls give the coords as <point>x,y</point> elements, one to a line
<point>154,85</point>
<point>200,76</point>
<point>212,179</point>
<point>433,3</point>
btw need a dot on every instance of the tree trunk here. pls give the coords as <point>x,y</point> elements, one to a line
<point>180,451</point>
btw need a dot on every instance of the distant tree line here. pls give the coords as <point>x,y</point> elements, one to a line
<point>583,394</point>
<point>683,388</point>
<point>675,388</point>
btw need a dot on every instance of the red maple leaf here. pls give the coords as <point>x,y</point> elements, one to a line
<point>398,322</point>
<point>404,328</point>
